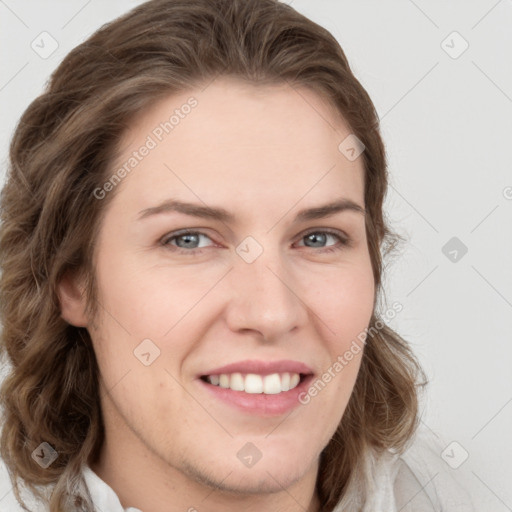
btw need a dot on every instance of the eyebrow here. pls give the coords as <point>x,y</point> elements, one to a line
<point>220,214</point>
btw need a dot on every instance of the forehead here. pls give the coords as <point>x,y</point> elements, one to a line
<point>238,142</point>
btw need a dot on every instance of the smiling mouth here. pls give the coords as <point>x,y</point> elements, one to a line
<point>252,383</point>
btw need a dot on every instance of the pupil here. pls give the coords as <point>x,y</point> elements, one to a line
<point>188,238</point>
<point>318,238</point>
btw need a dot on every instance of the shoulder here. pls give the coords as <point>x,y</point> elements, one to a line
<point>416,480</point>
<point>424,481</point>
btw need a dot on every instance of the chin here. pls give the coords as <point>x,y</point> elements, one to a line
<point>247,481</point>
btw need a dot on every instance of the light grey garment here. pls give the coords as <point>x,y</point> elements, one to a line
<point>419,480</point>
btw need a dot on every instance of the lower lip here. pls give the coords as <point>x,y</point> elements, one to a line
<point>260,403</point>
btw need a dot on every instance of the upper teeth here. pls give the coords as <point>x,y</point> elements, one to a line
<point>254,383</point>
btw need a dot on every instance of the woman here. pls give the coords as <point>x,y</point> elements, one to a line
<point>191,246</point>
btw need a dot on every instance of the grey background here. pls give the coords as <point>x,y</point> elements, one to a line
<point>447,124</point>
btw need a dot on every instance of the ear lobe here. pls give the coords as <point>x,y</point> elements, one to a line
<point>72,300</point>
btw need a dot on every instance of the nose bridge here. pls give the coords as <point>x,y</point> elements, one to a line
<point>262,297</point>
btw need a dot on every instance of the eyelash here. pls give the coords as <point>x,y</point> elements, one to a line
<point>343,239</point>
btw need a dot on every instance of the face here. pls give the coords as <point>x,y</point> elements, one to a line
<point>220,276</point>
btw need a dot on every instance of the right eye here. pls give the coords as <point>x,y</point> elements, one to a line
<point>185,241</point>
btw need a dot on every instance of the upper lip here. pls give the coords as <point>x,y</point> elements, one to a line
<point>262,367</point>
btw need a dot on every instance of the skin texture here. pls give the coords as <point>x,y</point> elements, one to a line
<point>263,153</point>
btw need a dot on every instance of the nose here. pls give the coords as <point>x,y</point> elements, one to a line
<point>264,298</point>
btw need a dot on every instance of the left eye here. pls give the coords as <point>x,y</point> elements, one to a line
<point>318,238</point>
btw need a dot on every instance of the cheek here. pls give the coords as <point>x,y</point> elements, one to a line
<point>140,303</point>
<point>343,301</point>
<point>148,301</point>
<point>344,306</point>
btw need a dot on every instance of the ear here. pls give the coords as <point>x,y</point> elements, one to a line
<point>72,300</point>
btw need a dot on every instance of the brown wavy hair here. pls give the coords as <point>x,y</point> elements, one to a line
<point>63,149</point>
